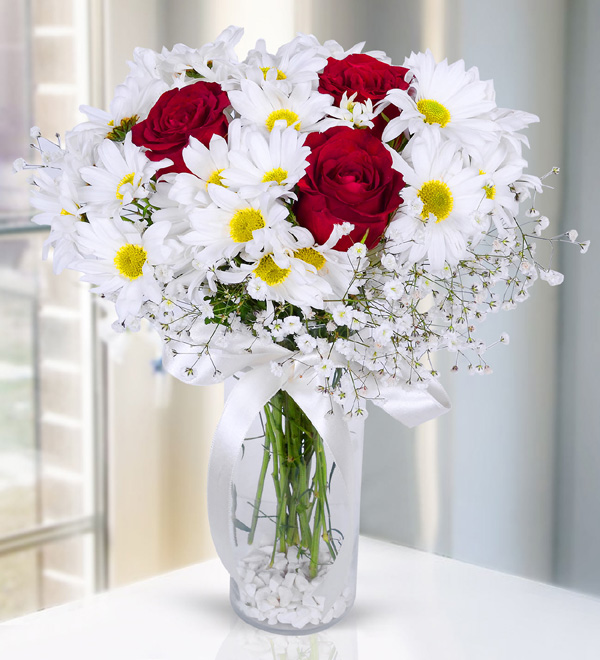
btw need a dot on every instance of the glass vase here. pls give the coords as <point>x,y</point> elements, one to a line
<point>295,522</point>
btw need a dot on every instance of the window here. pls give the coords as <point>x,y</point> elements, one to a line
<point>52,522</point>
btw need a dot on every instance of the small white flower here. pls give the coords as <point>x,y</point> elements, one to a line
<point>277,330</point>
<point>342,315</point>
<point>118,326</point>
<point>359,320</point>
<point>35,132</point>
<point>163,273</point>
<point>504,338</point>
<point>325,367</point>
<point>454,342</point>
<point>383,334</point>
<point>206,310</point>
<point>553,277</point>
<point>292,324</point>
<point>480,347</point>
<point>389,261</point>
<point>305,343</point>
<point>357,251</point>
<point>543,222</point>
<point>525,266</point>
<point>572,235</point>
<point>393,289</point>
<point>276,369</point>
<point>584,247</point>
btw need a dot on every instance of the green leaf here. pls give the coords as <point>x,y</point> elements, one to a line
<point>240,525</point>
<point>330,475</point>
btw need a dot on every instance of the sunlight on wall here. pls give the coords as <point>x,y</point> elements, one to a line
<point>261,19</point>
<point>426,435</point>
<point>433,27</point>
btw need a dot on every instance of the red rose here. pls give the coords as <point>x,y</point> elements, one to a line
<point>368,77</point>
<point>195,110</point>
<point>349,179</point>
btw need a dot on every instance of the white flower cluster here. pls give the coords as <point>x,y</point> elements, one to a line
<point>205,240</point>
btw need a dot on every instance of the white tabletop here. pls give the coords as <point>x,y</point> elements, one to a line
<point>410,605</point>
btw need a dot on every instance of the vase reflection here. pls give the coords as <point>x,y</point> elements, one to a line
<point>245,642</point>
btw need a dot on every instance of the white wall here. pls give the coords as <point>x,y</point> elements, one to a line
<point>578,495</point>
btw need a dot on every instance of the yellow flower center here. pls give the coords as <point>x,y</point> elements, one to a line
<point>278,175</point>
<point>437,199</point>
<point>310,256</point>
<point>130,260</point>
<point>269,271</point>
<point>266,69</point>
<point>435,113</point>
<point>289,115</point>
<point>490,191</point>
<point>216,178</point>
<point>243,223</point>
<point>128,178</point>
<point>65,212</point>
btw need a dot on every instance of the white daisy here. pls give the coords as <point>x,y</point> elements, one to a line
<point>213,62</point>
<point>56,197</point>
<point>288,67</point>
<point>132,102</point>
<point>147,66</point>
<point>441,201</point>
<point>264,105</point>
<point>350,113</point>
<point>233,225</point>
<point>444,96</point>
<point>276,161</point>
<point>510,122</point>
<point>282,278</point>
<point>206,166</point>
<point>501,167</point>
<point>333,266</point>
<point>118,177</point>
<point>332,48</point>
<point>120,261</point>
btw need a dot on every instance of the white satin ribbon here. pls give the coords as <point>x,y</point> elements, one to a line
<point>247,400</point>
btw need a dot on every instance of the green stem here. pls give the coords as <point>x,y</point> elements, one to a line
<point>273,441</point>
<point>314,546</point>
<point>300,479</point>
<point>261,485</point>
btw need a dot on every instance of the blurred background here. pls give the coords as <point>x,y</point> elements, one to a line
<point>103,457</point>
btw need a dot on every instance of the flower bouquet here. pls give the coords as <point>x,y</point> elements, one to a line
<point>321,223</point>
